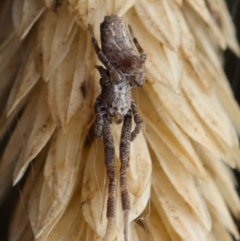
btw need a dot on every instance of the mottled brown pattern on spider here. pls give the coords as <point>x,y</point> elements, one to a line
<point>124,70</point>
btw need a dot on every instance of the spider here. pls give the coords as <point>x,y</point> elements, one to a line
<point>124,70</point>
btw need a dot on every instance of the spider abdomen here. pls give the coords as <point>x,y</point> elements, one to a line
<point>116,43</point>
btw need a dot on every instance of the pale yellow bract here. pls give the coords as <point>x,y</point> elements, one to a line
<point>180,180</point>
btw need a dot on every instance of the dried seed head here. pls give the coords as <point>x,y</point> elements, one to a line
<point>191,135</point>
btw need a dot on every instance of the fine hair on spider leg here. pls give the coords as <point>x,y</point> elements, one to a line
<point>124,70</point>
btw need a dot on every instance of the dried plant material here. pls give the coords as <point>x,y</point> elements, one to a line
<point>179,2</point>
<point>81,11</point>
<point>48,229</point>
<point>160,59</point>
<point>215,74</point>
<point>190,116</point>
<point>14,146</point>
<point>169,31</point>
<point>45,37</point>
<point>187,39</point>
<point>230,105</point>
<point>222,89</point>
<point>181,217</point>
<point>236,156</point>
<point>157,226</point>
<point>38,205</point>
<point>61,86</point>
<point>68,87</point>
<point>87,12</point>
<point>208,108</point>
<point>25,14</point>
<point>27,77</point>
<point>118,7</point>
<point>94,193</point>
<point>58,181</point>
<point>71,225</point>
<point>54,5</point>
<point>63,38</point>
<point>6,23</point>
<point>8,49</point>
<point>176,67</point>
<point>232,154</point>
<point>20,222</point>
<point>163,124</point>
<point>201,72</point>
<point>170,229</point>
<point>223,180</point>
<point>17,59</point>
<point>55,35</point>
<point>8,73</point>
<point>218,230</point>
<point>220,14</point>
<point>8,121</point>
<point>92,235</point>
<point>138,233</point>
<point>181,179</point>
<point>62,163</point>
<point>214,198</point>
<point>204,39</point>
<point>27,234</point>
<point>228,102</point>
<point>42,129</point>
<point>50,3</point>
<point>200,7</point>
<point>139,174</point>
<point>8,76</point>
<point>190,122</point>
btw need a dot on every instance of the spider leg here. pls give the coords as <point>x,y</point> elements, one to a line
<point>137,119</point>
<point>124,158</point>
<point>143,56</point>
<point>110,166</point>
<point>115,76</point>
<point>99,120</point>
<point>105,80</point>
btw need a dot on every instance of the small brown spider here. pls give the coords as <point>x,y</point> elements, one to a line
<point>124,69</point>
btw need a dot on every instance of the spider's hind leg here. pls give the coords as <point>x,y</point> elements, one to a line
<point>110,166</point>
<point>124,158</point>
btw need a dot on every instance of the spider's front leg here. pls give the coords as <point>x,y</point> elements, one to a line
<point>137,119</point>
<point>124,158</point>
<point>143,56</point>
<point>105,80</point>
<point>110,166</point>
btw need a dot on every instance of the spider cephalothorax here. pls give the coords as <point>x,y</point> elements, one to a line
<point>124,69</point>
<point>115,97</point>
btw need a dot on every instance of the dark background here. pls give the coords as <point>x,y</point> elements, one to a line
<point>232,69</point>
<point>232,63</point>
<point>232,66</point>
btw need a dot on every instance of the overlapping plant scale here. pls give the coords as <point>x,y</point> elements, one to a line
<point>180,180</point>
